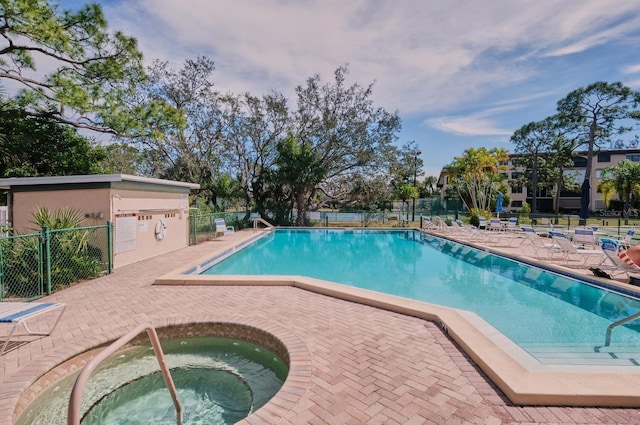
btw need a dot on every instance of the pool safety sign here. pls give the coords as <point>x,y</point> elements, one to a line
<point>125,231</point>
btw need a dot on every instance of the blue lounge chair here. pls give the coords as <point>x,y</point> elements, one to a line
<point>616,253</point>
<point>20,313</point>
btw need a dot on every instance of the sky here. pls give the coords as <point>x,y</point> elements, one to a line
<point>461,74</point>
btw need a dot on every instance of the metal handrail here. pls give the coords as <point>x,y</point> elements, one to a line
<point>260,220</point>
<point>607,340</point>
<point>73,413</point>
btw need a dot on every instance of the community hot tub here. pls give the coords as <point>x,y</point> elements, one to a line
<point>223,372</point>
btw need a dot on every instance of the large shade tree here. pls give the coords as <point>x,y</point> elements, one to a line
<point>32,147</point>
<point>70,69</point>
<point>255,126</point>
<point>544,151</point>
<point>599,114</point>
<point>338,132</point>
<point>190,148</point>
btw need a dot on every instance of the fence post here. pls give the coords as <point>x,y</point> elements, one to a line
<point>110,246</point>
<point>46,243</point>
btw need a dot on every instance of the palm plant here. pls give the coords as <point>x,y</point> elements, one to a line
<point>623,179</point>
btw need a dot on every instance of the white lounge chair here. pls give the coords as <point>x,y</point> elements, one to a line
<point>536,246</point>
<point>21,313</point>
<point>512,224</point>
<point>496,225</point>
<point>585,237</point>
<point>627,239</point>
<point>571,252</point>
<point>222,228</point>
<point>428,224</point>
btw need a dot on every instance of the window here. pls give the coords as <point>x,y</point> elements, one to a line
<point>600,174</point>
<point>579,161</point>
<point>515,174</point>
<point>634,157</point>
<point>516,189</point>
<point>516,204</point>
<point>604,157</point>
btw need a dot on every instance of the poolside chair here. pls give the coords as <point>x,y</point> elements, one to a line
<point>627,239</point>
<point>468,231</point>
<point>482,223</point>
<point>571,252</point>
<point>495,225</point>
<point>428,224</point>
<point>222,228</point>
<point>512,224</point>
<point>21,313</point>
<point>585,237</point>
<point>616,253</point>
<point>537,246</point>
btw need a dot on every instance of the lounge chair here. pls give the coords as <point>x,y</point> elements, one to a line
<point>585,237</point>
<point>428,224</point>
<point>512,224</point>
<point>537,246</point>
<point>627,239</point>
<point>616,253</point>
<point>21,313</point>
<point>482,223</point>
<point>571,252</point>
<point>222,228</point>
<point>496,225</point>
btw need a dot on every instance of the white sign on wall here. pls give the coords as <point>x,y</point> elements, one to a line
<point>125,229</point>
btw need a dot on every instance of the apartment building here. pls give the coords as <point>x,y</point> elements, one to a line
<point>569,200</point>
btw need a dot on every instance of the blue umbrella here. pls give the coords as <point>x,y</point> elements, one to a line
<point>499,204</point>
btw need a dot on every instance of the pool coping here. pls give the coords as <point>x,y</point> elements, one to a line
<point>522,379</point>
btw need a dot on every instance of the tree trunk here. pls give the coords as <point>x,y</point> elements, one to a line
<point>534,184</point>
<point>301,219</point>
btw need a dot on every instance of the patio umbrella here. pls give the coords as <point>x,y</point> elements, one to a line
<point>499,205</point>
<point>584,200</point>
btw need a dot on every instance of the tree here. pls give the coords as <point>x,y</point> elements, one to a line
<point>598,114</point>
<point>122,158</point>
<point>430,184</point>
<point>624,178</point>
<point>545,151</point>
<point>93,71</point>
<point>338,128</point>
<point>34,147</point>
<point>187,149</point>
<point>254,127</point>
<point>533,141</point>
<point>476,176</point>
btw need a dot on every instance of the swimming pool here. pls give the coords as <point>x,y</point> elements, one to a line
<point>556,319</point>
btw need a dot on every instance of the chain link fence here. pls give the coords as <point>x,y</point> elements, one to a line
<point>202,227</point>
<point>36,264</point>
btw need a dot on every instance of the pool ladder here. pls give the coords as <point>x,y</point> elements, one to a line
<point>607,340</point>
<point>73,414</point>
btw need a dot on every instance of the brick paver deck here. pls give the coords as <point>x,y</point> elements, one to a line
<point>367,366</point>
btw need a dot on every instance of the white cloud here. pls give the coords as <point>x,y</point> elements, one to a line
<point>472,125</point>
<point>631,69</point>
<point>429,56</point>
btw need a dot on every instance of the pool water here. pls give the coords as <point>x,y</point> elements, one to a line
<point>219,381</point>
<point>533,307</point>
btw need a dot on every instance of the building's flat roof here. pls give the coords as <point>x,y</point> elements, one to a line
<point>7,183</point>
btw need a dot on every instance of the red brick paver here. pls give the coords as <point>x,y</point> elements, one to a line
<point>359,364</point>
